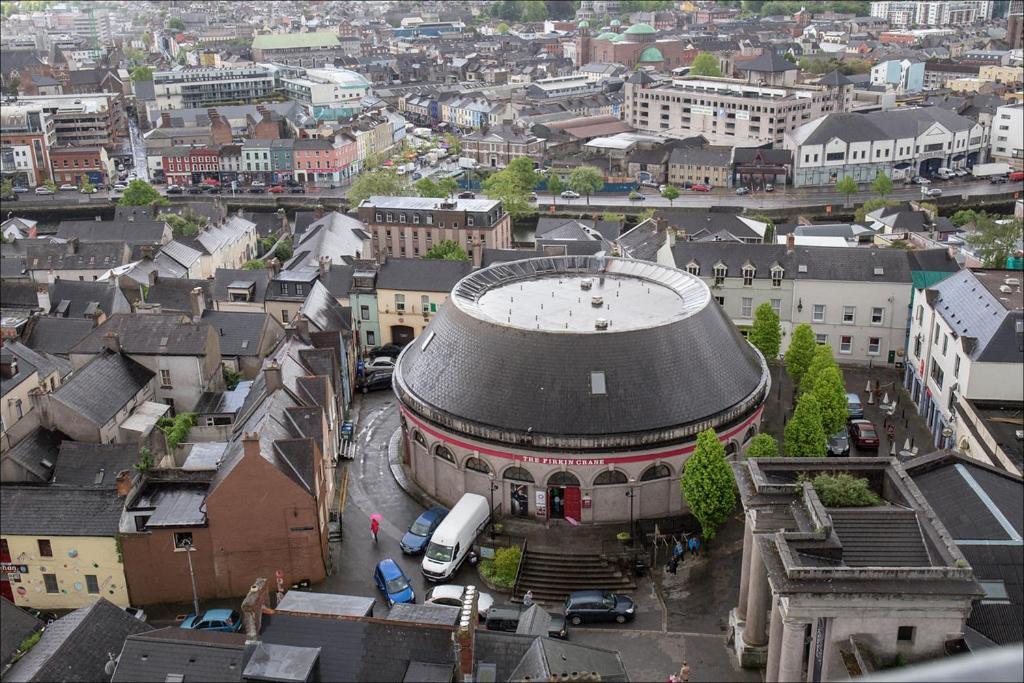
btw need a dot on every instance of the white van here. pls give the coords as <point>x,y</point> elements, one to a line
<point>454,538</point>
<point>945,173</point>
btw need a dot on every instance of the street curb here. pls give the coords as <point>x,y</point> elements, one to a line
<point>401,475</point>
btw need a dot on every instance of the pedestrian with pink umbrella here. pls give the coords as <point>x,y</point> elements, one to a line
<point>375,525</point>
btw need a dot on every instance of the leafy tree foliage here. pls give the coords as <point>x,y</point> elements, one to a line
<point>142,73</point>
<point>186,224</point>
<point>555,186</point>
<point>141,193</point>
<point>586,180</point>
<point>800,352</point>
<point>382,182</point>
<point>804,436</point>
<point>844,490</point>
<point>830,394</point>
<point>708,484</point>
<point>428,187</point>
<point>671,193</point>
<point>995,240</point>
<point>447,250</point>
<point>882,185</point>
<point>763,446</point>
<point>513,185</point>
<point>766,332</point>
<point>705,64</point>
<point>848,186</point>
<point>820,360</point>
<point>176,24</point>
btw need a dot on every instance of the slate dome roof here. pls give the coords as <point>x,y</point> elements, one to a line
<point>517,356</point>
<point>640,29</point>
<point>652,54</point>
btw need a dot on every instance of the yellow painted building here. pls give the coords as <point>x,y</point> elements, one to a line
<point>62,546</point>
<point>1008,75</point>
<point>410,292</point>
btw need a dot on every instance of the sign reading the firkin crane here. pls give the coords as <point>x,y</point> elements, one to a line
<point>570,462</point>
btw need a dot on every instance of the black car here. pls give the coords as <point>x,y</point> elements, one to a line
<point>257,190</point>
<point>598,605</point>
<point>467,195</point>
<point>374,381</point>
<point>298,189</point>
<point>839,444</point>
<point>174,190</point>
<point>507,619</point>
<point>389,350</point>
<point>214,190</point>
<point>195,189</point>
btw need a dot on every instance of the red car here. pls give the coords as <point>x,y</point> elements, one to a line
<point>863,434</point>
<point>276,189</point>
<point>701,188</point>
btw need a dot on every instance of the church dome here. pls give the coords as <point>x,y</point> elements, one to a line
<point>616,22</point>
<point>652,54</point>
<point>583,24</point>
<point>640,29</point>
<point>607,35</point>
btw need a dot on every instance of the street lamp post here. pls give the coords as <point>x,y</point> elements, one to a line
<point>494,487</point>
<point>187,544</point>
<point>631,493</point>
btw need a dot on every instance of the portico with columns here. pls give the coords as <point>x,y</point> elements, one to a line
<point>825,592</point>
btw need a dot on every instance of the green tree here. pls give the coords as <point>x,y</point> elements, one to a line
<point>860,215</point>
<point>176,24</point>
<point>502,28</point>
<point>141,193</point>
<point>454,144</point>
<point>800,352</point>
<point>820,360</point>
<point>848,186</point>
<point>963,217</point>
<point>804,436</point>
<point>586,180</point>
<point>513,185</point>
<point>555,187</point>
<point>612,217</point>
<point>142,73</point>
<point>882,185</point>
<point>253,264</point>
<point>995,240</point>
<point>382,182</point>
<point>708,484</point>
<point>671,193</point>
<point>186,224</point>
<point>534,12</point>
<point>766,332</point>
<point>85,186</point>
<point>447,250</point>
<point>705,64</point>
<point>6,188</point>
<point>830,394</point>
<point>50,185</point>
<point>428,187</point>
<point>763,446</point>
<point>844,490</point>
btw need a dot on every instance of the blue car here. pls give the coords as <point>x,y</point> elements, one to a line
<point>226,620</point>
<point>393,583</point>
<point>419,533</point>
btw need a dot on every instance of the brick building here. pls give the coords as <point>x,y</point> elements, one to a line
<point>75,164</point>
<point>636,46</point>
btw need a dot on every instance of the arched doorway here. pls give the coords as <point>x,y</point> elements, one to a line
<point>401,334</point>
<point>519,480</point>
<point>564,496</point>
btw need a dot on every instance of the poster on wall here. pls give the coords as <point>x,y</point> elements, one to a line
<point>541,503</point>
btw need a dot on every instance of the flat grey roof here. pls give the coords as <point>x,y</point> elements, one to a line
<point>430,203</point>
<point>326,603</point>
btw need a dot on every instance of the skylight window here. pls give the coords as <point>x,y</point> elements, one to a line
<point>597,384</point>
<point>426,341</point>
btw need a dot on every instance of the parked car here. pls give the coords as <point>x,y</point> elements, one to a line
<point>863,434</point>
<point>687,184</point>
<point>636,196</point>
<point>416,538</point>
<point>375,381</point>
<point>454,537</point>
<point>933,192</point>
<point>195,189</point>
<point>921,180</point>
<point>380,363</point>
<point>598,605</point>
<point>174,189</point>
<point>960,172</point>
<point>839,444</point>
<point>42,189</point>
<point>389,350</point>
<point>18,189</point>
<point>662,188</point>
<point>276,189</point>
<point>119,187</point>
<point>258,183</point>
<point>506,619</point>
<point>9,197</point>
<point>998,179</point>
<point>769,188</point>
<point>213,190</point>
<point>417,175</point>
<point>451,595</point>
<point>854,407</point>
<point>68,187</point>
<point>298,189</point>
<point>467,195</point>
<point>700,187</point>
<point>742,190</point>
<point>257,189</point>
<point>532,197</point>
<point>92,189</point>
<point>569,194</point>
<point>226,620</point>
<point>393,583</point>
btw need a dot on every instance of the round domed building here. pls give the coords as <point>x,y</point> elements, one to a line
<point>557,385</point>
<point>636,45</point>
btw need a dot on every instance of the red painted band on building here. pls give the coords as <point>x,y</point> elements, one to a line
<point>575,462</point>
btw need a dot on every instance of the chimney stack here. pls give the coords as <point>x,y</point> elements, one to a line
<point>478,254</point>
<point>273,265</point>
<point>165,120</point>
<point>112,342</point>
<point>43,296</point>
<point>8,365</point>
<point>251,444</point>
<point>198,300</point>
<point>252,607</point>
<point>272,375</point>
<point>318,212</point>
<point>154,277</point>
<point>325,266</point>
<point>124,483</point>
<point>465,633</point>
<point>147,255</point>
<point>790,242</point>
<point>301,325</point>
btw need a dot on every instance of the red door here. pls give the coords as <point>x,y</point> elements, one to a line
<point>572,502</point>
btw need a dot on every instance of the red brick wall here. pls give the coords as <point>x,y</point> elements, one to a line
<point>157,573</point>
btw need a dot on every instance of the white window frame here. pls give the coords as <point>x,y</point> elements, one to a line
<point>748,276</point>
<point>777,275</point>
<point>815,318</point>
<point>848,344</point>
<point>876,344</point>
<point>747,307</point>
<point>165,379</point>
<point>850,311</point>
<point>821,339</point>
<point>881,315</point>
<point>400,303</point>
<point>776,305</point>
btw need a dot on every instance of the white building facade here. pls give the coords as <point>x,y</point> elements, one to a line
<point>1008,136</point>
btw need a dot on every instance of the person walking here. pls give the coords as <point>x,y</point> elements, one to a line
<point>673,564</point>
<point>528,599</point>
<point>678,551</point>
<point>374,528</point>
<point>694,546</point>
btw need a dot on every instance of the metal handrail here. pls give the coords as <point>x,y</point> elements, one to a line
<point>519,568</point>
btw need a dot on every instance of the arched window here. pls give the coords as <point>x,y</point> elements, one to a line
<point>656,472</point>
<point>563,479</point>
<point>751,433</point>
<point>518,474</point>
<point>477,465</point>
<point>445,454</point>
<point>730,449</point>
<point>418,438</point>
<point>609,477</point>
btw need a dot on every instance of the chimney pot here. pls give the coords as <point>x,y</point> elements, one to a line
<point>43,297</point>
<point>112,342</point>
<point>198,301</point>
<point>790,241</point>
<point>124,483</point>
<point>273,377</point>
<point>252,605</point>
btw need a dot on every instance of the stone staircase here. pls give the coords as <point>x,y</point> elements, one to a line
<point>552,576</point>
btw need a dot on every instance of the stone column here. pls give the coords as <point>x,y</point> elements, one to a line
<point>757,600</point>
<point>791,661</point>
<point>774,643</point>
<point>741,608</point>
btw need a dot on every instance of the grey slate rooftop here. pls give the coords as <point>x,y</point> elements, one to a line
<point>103,386</point>
<point>239,333</point>
<point>15,626</point>
<point>166,335</point>
<point>224,278</point>
<point>57,335</point>
<point>59,511</point>
<point>93,465</point>
<point>985,317</point>
<point>421,275</point>
<point>198,655</point>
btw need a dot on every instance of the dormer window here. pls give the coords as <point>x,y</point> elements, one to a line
<point>390,217</point>
<point>693,268</point>
<point>748,275</point>
<point>401,218</point>
<point>777,273</point>
<point>720,272</point>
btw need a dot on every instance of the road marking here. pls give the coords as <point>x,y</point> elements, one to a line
<point>343,493</point>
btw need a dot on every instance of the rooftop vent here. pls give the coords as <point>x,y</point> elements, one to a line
<point>879,270</point>
<point>801,268</point>
<point>601,324</point>
<point>586,283</point>
<point>596,301</point>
